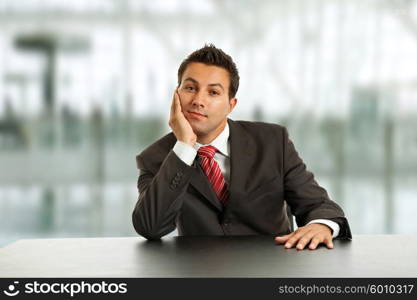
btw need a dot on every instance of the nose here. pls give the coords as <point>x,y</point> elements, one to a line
<point>198,99</point>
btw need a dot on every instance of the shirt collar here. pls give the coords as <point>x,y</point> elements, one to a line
<point>220,142</point>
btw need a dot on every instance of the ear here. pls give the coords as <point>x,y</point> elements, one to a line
<point>232,104</point>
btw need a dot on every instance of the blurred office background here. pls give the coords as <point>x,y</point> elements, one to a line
<point>86,85</point>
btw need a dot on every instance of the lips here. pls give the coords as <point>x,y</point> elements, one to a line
<point>196,114</point>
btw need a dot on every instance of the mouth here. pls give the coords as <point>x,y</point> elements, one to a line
<point>196,114</point>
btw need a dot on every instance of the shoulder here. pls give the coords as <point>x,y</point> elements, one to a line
<point>264,140</point>
<point>260,129</point>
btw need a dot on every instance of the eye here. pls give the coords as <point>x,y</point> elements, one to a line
<point>214,93</point>
<point>189,88</point>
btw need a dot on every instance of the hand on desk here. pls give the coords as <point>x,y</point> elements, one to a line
<point>313,234</point>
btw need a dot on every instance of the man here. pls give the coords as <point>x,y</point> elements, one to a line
<point>215,176</point>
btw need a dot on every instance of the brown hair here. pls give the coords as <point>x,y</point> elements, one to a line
<point>210,55</point>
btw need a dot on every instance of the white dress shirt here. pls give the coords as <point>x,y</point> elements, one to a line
<point>188,153</point>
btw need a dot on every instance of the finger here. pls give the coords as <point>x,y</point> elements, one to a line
<point>282,239</point>
<point>305,240</point>
<point>329,242</point>
<point>173,104</point>
<point>296,237</point>
<point>315,242</point>
<point>177,106</point>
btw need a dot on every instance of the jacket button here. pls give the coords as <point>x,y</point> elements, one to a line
<point>175,180</point>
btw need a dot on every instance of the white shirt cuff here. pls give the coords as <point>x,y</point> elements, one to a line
<point>185,152</point>
<point>333,225</point>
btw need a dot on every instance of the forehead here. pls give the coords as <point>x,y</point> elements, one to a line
<point>206,74</point>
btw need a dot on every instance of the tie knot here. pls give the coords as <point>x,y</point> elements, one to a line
<point>207,151</point>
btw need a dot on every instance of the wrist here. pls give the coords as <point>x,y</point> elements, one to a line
<point>186,140</point>
<point>189,141</point>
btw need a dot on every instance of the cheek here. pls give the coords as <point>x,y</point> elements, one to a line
<point>220,109</point>
<point>185,98</point>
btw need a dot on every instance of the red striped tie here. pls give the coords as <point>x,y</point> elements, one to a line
<point>212,170</point>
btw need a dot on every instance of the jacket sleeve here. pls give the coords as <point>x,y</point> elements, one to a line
<point>307,199</point>
<point>160,196</point>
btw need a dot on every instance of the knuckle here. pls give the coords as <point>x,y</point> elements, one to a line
<point>298,232</point>
<point>316,240</point>
<point>291,241</point>
<point>304,240</point>
<point>299,229</point>
<point>295,239</point>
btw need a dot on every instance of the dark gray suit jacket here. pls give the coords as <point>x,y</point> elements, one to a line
<point>265,173</point>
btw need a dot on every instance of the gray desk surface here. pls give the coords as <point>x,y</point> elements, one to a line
<point>254,256</point>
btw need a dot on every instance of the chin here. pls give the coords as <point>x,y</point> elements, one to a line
<point>198,130</point>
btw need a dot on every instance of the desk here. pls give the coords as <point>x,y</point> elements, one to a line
<point>244,256</point>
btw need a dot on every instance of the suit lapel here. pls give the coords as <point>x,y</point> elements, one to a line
<point>200,182</point>
<point>241,154</point>
<point>198,179</point>
<point>241,151</point>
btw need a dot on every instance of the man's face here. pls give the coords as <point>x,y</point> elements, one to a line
<point>205,99</point>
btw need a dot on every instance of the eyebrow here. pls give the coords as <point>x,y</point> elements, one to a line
<point>211,84</point>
